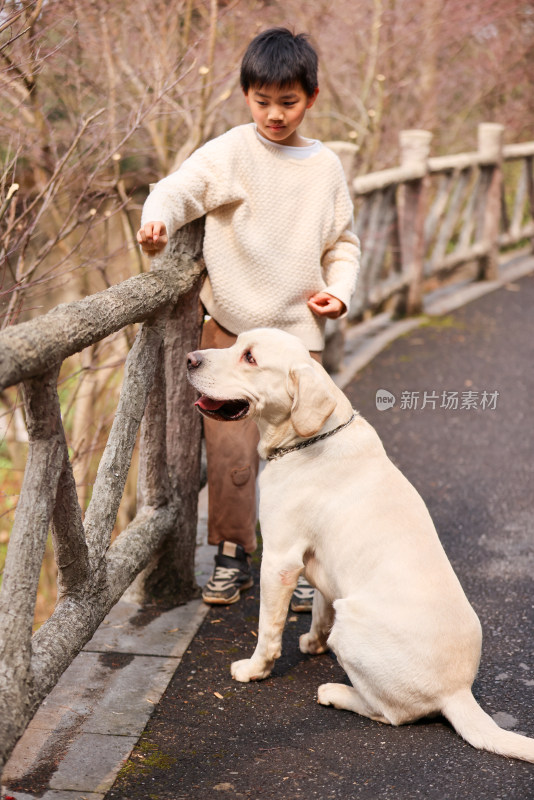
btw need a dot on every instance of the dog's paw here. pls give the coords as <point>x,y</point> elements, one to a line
<point>311,644</point>
<point>249,670</point>
<point>326,694</point>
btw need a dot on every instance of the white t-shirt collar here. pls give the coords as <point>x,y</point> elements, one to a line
<point>306,151</point>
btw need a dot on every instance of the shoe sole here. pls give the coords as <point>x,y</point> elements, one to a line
<point>300,609</point>
<point>227,601</point>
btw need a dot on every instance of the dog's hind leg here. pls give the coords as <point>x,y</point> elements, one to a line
<point>348,698</point>
<point>315,641</point>
<point>361,697</point>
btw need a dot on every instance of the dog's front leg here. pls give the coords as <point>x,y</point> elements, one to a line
<point>277,586</point>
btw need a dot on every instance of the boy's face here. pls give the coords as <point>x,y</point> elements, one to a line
<point>278,112</point>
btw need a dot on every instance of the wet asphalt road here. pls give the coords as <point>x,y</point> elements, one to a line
<point>213,738</point>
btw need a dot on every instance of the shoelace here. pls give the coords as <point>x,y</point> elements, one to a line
<point>303,591</point>
<point>223,574</point>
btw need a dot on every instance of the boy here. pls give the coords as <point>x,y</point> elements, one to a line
<point>279,252</point>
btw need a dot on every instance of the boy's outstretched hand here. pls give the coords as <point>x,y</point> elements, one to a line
<point>152,237</point>
<point>326,305</point>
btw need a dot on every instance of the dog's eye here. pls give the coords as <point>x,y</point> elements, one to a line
<point>248,357</point>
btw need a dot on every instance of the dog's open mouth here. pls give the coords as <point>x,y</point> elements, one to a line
<point>226,410</point>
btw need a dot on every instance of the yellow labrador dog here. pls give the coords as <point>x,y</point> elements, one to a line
<point>334,507</point>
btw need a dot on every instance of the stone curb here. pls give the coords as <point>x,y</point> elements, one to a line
<point>88,725</point>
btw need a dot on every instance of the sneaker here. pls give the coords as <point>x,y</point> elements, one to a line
<point>231,575</point>
<point>302,598</point>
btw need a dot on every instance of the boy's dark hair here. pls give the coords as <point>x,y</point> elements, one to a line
<point>277,57</point>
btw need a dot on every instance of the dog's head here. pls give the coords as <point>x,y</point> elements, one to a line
<point>267,375</point>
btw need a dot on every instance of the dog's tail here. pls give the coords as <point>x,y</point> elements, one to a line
<point>478,728</point>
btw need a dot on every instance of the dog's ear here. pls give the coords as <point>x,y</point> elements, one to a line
<point>313,402</point>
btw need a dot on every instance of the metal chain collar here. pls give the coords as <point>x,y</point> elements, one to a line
<point>282,451</point>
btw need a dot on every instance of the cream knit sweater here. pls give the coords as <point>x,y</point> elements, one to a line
<point>278,230</point>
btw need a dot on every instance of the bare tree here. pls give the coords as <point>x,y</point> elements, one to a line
<point>101,116</point>
<point>111,101</point>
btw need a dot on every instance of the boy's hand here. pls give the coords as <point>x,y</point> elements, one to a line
<point>326,305</point>
<point>152,237</point>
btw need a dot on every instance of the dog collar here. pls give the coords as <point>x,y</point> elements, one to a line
<point>283,451</point>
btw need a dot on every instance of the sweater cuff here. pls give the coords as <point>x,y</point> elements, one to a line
<point>154,210</point>
<point>341,292</point>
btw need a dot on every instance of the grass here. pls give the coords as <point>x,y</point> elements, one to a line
<point>447,321</point>
<point>146,758</point>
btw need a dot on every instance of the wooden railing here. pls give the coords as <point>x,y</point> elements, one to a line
<point>424,218</point>
<point>159,544</point>
<point>431,216</point>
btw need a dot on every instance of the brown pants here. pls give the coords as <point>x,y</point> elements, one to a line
<point>233,461</point>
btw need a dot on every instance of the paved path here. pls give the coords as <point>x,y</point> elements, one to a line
<point>210,737</point>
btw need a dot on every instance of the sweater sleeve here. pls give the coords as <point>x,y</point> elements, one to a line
<point>340,259</point>
<point>341,264</point>
<point>201,184</point>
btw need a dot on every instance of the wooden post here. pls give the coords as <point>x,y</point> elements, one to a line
<point>23,562</point>
<point>529,173</point>
<point>490,145</point>
<point>169,455</point>
<point>415,148</point>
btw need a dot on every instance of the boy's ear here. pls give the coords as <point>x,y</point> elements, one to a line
<point>246,97</point>
<point>313,98</point>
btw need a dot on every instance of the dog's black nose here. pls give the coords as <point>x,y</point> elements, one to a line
<point>194,360</point>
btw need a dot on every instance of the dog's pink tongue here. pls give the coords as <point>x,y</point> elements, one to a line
<point>208,403</point>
